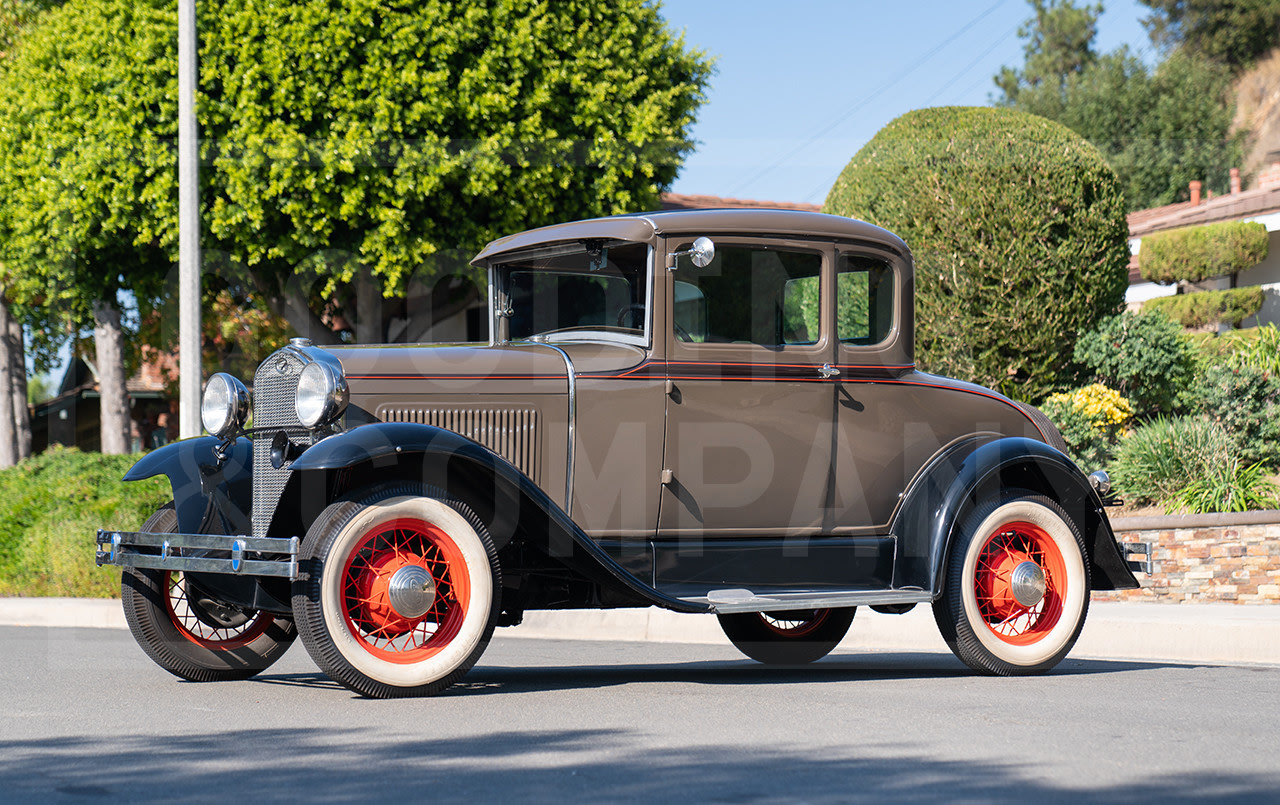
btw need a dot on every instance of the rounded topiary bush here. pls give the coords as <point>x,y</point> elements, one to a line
<point>1018,229</point>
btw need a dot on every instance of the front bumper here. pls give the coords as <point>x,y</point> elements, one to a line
<point>200,553</point>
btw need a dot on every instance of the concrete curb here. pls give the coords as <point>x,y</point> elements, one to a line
<point>1185,633</point>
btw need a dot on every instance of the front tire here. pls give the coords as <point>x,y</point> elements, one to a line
<point>191,635</point>
<point>1017,587</point>
<point>399,594</point>
<point>787,638</point>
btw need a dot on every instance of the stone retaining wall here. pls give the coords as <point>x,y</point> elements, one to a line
<point>1233,558</point>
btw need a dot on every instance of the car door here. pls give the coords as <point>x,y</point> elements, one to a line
<point>749,408</point>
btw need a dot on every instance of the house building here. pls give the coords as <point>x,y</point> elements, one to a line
<point>1261,205</point>
<point>72,417</point>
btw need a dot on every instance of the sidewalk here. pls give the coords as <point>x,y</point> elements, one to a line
<point>1192,633</point>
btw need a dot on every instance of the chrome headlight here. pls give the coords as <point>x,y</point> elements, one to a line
<point>224,406</point>
<point>321,396</point>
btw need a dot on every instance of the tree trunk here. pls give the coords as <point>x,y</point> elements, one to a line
<point>8,451</point>
<point>290,304</point>
<point>108,340</point>
<point>368,329</point>
<point>21,413</point>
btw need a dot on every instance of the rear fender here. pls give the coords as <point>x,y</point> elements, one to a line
<point>210,496</point>
<point>979,468</point>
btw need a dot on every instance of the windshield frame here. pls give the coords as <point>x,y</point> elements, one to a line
<point>500,297</point>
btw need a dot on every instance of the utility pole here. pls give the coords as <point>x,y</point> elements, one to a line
<point>189,374</point>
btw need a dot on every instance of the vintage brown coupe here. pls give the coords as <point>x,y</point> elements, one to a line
<point>712,412</point>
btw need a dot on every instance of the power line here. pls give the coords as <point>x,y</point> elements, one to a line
<point>808,197</point>
<point>970,66</point>
<point>862,103</point>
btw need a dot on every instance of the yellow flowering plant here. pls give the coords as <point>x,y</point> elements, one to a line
<point>1092,420</point>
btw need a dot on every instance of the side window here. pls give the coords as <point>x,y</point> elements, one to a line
<point>864,293</point>
<point>749,295</point>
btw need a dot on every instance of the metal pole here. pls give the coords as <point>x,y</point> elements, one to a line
<point>189,374</point>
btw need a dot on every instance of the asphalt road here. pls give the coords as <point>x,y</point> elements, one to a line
<point>86,716</point>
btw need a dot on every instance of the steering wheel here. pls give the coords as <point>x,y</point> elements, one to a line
<point>627,315</point>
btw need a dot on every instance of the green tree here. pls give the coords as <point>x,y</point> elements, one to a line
<point>16,15</point>
<point>1159,128</point>
<point>365,144</point>
<point>15,421</point>
<point>351,148</point>
<point>86,174</point>
<point>1231,32</point>
<point>1059,45</point>
<point>1019,236</point>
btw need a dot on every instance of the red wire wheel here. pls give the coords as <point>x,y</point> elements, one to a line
<point>208,624</point>
<point>189,632</point>
<point>1016,591</point>
<point>401,591</point>
<point>370,614</point>
<point>1009,548</point>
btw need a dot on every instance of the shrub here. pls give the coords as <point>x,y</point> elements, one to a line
<point>1160,459</point>
<point>1244,401</point>
<point>1258,348</point>
<point>1210,308</point>
<point>51,506</point>
<point>1091,420</point>
<point>1145,356</point>
<point>1229,489</point>
<point>1197,253</point>
<point>1004,212</point>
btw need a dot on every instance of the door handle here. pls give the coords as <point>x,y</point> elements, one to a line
<point>828,371</point>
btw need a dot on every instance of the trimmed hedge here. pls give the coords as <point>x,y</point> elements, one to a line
<point>1018,229</point>
<point>1196,253</point>
<point>1205,308</point>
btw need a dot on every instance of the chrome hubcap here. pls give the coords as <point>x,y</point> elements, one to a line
<point>1028,584</point>
<point>411,591</point>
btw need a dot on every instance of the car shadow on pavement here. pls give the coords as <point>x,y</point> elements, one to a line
<point>495,678</point>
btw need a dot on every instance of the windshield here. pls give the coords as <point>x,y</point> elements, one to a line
<point>601,290</point>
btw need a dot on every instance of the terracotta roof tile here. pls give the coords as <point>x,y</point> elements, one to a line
<point>680,201</point>
<point>1230,207</point>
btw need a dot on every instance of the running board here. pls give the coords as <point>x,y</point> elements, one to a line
<point>725,601</point>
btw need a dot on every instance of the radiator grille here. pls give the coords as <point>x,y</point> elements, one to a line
<point>510,432</point>
<point>274,385</point>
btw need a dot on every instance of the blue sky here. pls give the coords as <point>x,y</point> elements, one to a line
<point>801,85</point>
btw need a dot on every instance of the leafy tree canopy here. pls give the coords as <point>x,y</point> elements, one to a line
<point>341,136</point>
<point>1159,128</point>
<point>15,15</point>
<point>85,164</point>
<point>1059,44</point>
<point>1231,32</point>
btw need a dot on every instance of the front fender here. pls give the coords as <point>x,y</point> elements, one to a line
<point>442,457</point>
<point>209,496</point>
<point>977,469</point>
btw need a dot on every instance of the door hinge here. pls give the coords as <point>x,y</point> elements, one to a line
<point>667,477</point>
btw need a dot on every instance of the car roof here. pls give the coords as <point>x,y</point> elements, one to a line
<point>641,227</point>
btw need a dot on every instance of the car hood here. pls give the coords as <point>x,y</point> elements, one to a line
<point>517,368</point>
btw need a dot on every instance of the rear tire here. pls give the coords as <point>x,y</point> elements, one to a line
<point>1010,550</point>
<point>787,638</point>
<point>191,635</point>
